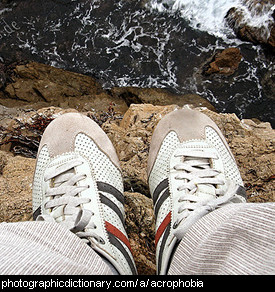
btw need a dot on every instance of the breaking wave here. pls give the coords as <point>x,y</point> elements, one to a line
<point>209,15</point>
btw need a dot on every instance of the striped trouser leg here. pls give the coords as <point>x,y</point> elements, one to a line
<point>44,248</point>
<point>235,239</point>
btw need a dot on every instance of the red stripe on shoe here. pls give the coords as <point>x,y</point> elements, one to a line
<point>117,233</point>
<point>162,227</point>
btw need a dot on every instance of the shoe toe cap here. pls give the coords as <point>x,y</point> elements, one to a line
<point>186,123</point>
<point>60,135</point>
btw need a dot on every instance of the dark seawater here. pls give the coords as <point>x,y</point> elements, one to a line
<point>124,43</point>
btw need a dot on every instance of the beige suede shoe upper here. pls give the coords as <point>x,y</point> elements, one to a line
<point>59,136</point>
<point>188,124</point>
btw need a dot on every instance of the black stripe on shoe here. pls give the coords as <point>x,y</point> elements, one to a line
<point>241,192</point>
<point>163,197</point>
<point>107,188</point>
<point>36,213</point>
<point>161,186</point>
<point>115,235</point>
<point>106,201</point>
<point>114,241</point>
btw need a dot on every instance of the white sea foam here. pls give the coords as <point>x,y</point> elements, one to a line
<point>5,10</point>
<point>209,15</point>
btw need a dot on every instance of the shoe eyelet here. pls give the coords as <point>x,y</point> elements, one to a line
<point>175,225</point>
<point>101,240</point>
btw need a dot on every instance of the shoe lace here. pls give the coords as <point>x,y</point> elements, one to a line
<point>196,172</point>
<point>64,203</point>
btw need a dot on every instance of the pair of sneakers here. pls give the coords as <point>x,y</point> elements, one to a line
<point>78,182</point>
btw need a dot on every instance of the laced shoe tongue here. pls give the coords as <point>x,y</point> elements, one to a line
<point>59,211</point>
<point>204,190</point>
<point>58,181</point>
<point>63,191</point>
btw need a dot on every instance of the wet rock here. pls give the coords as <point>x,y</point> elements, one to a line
<point>159,96</point>
<point>264,34</point>
<point>36,85</point>
<point>44,84</point>
<point>268,82</point>
<point>2,75</point>
<point>225,62</point>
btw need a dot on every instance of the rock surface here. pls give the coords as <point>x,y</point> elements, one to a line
<point>159,96</point>
<point>44,84</point>
<point>252,143</point>
<point>16,174</point>
<point>265,34</point>
<point>140,226</point>
<point>225,62</point>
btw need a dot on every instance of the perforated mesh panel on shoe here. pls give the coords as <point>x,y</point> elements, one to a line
<point>161,166</point>
<point>42,160</point>
<point>104,169</point>
<point>230,166</point>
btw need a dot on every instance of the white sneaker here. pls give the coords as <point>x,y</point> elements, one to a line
<point>191,171</point>
<point>78,184</point>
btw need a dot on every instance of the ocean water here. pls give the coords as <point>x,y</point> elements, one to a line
<point>209,15</point>
<point>163,44</point>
